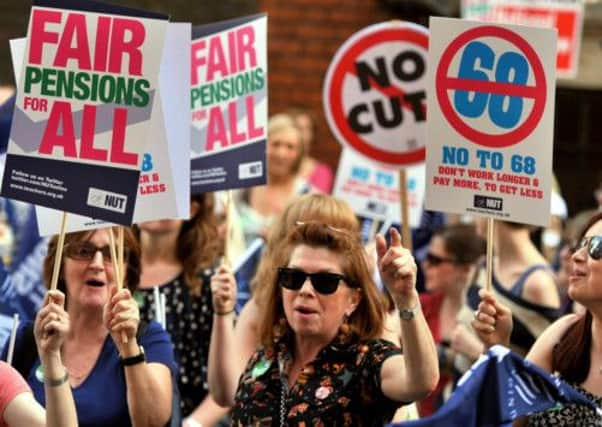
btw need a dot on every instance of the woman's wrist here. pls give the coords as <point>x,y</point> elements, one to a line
<point>407,301</point>
<point>191,422</point>
<point>223,312</point>
<point>51,360</point>
<point>132,348</point>
<point>56,380</point>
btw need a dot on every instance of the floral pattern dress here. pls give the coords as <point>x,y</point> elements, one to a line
<point>189,322</point>
<point>341,387</point>
<point>569,415</point>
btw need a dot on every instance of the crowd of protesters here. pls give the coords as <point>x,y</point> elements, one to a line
<point>316,339</point>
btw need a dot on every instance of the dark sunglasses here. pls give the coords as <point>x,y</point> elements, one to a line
<point>324,283</point>
<point>435,260</point>
<point>593,244</point>
<point>85,251</point>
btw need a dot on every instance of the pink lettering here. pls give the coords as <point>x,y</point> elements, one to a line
<point>246,41</point>
<point>60,117</point>
<point>216,130</point>
<point>196,61</point>
<point>120,46</point>
<point>75,28</point>
<point>39,36</point>
<point>87,144</point>
<point>103,29</point>
<point>118,153</point>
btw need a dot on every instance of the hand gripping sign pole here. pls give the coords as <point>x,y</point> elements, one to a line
<point>58,257</point>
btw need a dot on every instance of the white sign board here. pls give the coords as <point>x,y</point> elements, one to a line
<point>372,190</point>
<point>491,115</point>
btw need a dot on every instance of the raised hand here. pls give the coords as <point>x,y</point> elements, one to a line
<point>492,321</point>
<point>397,269</point>
<point>223,290</point>
<point>122,317</point>
<point>51,325</point>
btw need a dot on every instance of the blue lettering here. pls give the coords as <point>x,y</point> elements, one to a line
<point>455,155</point>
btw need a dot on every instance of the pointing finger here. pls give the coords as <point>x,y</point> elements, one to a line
<point>395,237</point>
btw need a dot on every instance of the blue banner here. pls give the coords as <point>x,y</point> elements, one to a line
<point>500,387</point>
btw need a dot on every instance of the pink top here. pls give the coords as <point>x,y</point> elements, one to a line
<point>321,178</point>
<point>11,384</point>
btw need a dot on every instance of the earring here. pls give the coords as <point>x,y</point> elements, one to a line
<point>344,329</point>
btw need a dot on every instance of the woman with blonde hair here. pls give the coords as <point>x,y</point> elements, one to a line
<point>259,206</point>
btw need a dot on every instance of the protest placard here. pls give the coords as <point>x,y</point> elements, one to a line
<point>565,16</point>
<point>372,190</point>
<point>84,101</point>
<point>491,114</point>
<point>164,190</point>
<point>229,104</point>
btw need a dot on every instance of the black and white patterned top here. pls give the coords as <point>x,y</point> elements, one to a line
<point>189,322</point>
<point>340,387</point>
<point>569,415</point>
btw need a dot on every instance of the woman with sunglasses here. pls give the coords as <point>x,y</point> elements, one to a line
<point>178,258</point>
<point>119,370</point>
<point>571,346</point>
<point>322,361</point>
<point>245,335</point>
<point>448,267</point>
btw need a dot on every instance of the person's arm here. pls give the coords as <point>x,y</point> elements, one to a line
<point>492,321</point>
<point>540,288</point>
<point>208,413</point>
<point>50,329</point>
<point>542,350</point>
<point>149,385</point>
<point>23,410</point>
<point>466,343</point>
<point>224,361</point>
<point>392,329</point>
<point>416,373</point>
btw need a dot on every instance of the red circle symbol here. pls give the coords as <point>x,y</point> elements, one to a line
<point>444,83</point>
<point>343,66</point>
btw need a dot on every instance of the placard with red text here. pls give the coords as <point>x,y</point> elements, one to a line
<point>83,109</point>
<point>164,186</point>
<point>229,104</point>
<point>490,120</point>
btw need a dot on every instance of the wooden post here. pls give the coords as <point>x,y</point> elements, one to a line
<point>59,253</point>
<point>490,227</point>
<point>406,233</point>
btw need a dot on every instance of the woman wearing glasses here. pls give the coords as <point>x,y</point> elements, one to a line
<point>448,267</point>
<point>322,361</point>
<point>119,371</point>
<point>571,346</point>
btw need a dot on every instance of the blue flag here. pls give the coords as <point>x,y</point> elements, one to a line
<point>500,387</point>
<point>244,271</point>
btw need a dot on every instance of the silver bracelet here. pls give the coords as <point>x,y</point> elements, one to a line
<point>56,382</point>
